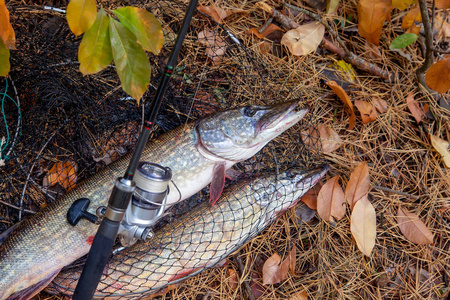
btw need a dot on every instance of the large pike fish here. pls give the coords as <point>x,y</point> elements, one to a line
<point>199,239</point>
<point>198,153</point>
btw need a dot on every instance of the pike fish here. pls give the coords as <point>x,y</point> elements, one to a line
<point>198,153</point>
<point>199,239</point>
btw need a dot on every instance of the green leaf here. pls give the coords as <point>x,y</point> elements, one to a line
<point>403,41</point>
<point>4,59</point>
<point>81,15</point>
<point>95,52</point>
<point>131,61</point>
<point>144,25</point>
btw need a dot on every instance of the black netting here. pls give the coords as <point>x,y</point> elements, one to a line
<point>84,123</point>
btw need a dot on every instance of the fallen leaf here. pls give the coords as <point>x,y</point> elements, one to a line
<point>80,15</point>
<point>441,146</point>
<point>442,4</point>
<point>257,289</point>
<point>275,271</point>
<point>329,138</point>
<point>232,279</point>
<point>414,108</point>
<point>441,25</point>
<point>218,14</point>
<point>5,65</point>
<point>332,6</point>
<point>339,72</point>
<point>367,111</point>
<point>374,51</point>
<point>310,198</point>
<point>310,136</point>
<point>215,45</point>
<point>304,213</point>
<point>339,91</point>
<point>299,296</point>
<point>292,260</point>
<point>438,75</point>
<point>403,41</point>
<point>265,47</point>
<point>363,225</point>
<point>262,34</point>
<point>358,184</point>
<point>413,228</point>
<point>62,173</point>
<point>331,201</point>
<point>304,39</point>
<point>402,4</point>
<point>380,104</point>
<point>411,17</point>
<point>7,34</point>
<point>371,16</point>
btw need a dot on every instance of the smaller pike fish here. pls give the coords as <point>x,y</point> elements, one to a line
<point>200,239</point>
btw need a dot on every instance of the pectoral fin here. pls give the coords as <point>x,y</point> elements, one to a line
<point>217,183</point>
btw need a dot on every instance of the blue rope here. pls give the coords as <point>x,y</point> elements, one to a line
<point>4,97</point>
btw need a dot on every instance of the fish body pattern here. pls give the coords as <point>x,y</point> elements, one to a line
<point>199,239</point>
<point>198,153</point>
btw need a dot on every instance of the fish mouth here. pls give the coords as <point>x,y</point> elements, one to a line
<point>282,116</point>
<point>312,176</point>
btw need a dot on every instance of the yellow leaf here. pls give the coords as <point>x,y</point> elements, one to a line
<point>412,16</point>
<point>438,75</point>
<point>4,60</point>
<point>358,184</point>
<point>331,201</point>
<point>371,16</point>
<point>441,146</point>
<point>6,31</point>
<point>364,225</point>
<point>367,111</point>
<point>346,100</point>
<point>304,39</point>
<point>413,228</point>
<point>402,4</point>
<point>81,15</point>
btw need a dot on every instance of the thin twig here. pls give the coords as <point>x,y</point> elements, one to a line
<point>31,170</point>
<point>237,259</point>
<point>428,44</point>
<point>16,207</point>
<point>382,188</point>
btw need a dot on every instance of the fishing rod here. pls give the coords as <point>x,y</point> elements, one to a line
<point>146,180</point>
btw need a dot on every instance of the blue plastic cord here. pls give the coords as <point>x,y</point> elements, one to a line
<point>4,97</point>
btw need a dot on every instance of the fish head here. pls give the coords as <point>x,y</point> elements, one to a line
<point>282,191</point>
<point>238,134</point>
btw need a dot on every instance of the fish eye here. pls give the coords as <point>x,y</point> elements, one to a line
<point>249,111</point>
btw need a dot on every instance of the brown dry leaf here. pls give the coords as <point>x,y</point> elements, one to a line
<point>339,91</point>
<point>438,75</point>
<point>304,39</point>
<point>412,17</point>
<point>442,4</point>
<point>441,25</point>
<point>367,111</point>
<point>218,14</point>
<point>371,16</point>
<point>63,174</point>
<point>329,138</point>
<point>415,108</point>
<point>274,271</point>
<point>232,279</point>
<point>364,225</point>
<point>374,51</point>
<point>441,146</point>
<point>6,31</point>
<point>310,198</point>
<point>292,260</point>
<point>262,34</point>
<point>215,45</point>
<point>310,136</point>
<point>331,201</point>
<point>299,296</point>
<point>358,184</point>
<point>413,228</point>
<point>380,104</point>
<point>265,47</point>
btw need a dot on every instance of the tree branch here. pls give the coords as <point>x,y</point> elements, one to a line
<point>420,72</point>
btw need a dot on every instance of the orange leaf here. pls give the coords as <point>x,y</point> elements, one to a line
<point>6,31</point>
<point>414,108</point>
<point>265,47</point>
<point>438,75</point>
<point>299,296</point>
<point>216,13</point>
<point>63,174</point>
<point>339,91</point>
<point>380,104</point>
<point>331,201</point>
<point>262,34</point>
<point>367,111</point>
<point>413,228</point>
<point>233,279</point>
<point>215,45</point>
<point>412,16</point>
<point>329,138</point>
<point>371,16</point>
<point>442,4</point>
<point>274,271</point>
<point>358,184</point>
<point>363,225</point>
<point>310,136</point>
<point>310,198</point>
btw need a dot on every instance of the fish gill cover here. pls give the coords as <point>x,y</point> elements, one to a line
<point>71,126</point>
